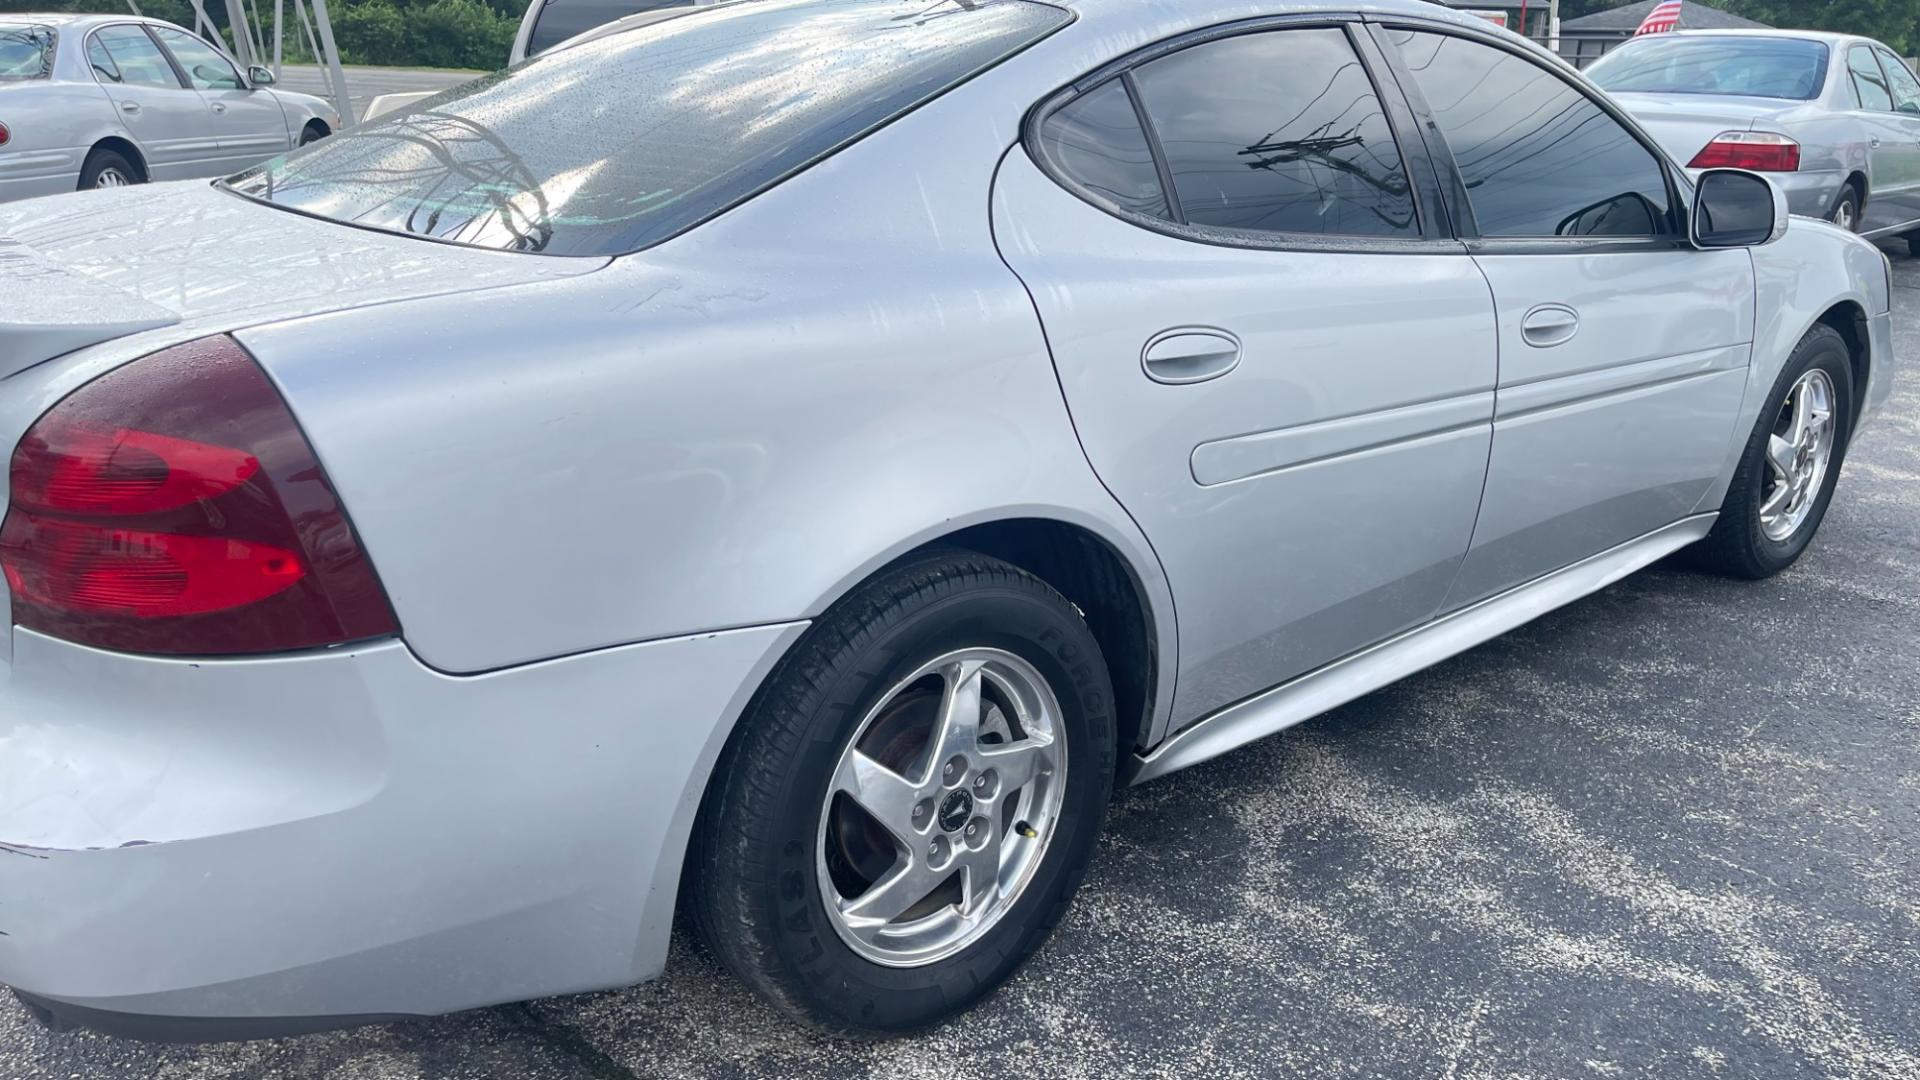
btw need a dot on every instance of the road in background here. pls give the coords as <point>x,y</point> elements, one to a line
<point>366,83</point>
<point>1672,830</point>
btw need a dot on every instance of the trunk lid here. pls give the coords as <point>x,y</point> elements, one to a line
<point>82,269</point>
<point>1683,123</point>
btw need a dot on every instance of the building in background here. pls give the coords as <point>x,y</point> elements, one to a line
<point>1587,38</point>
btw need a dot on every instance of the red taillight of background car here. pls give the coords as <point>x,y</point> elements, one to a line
<point>5,135</point>
<point>173,507</point>
<point>1759,151</point>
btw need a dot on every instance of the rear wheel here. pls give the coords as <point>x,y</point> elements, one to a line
<point>312,133</point>
<point>911,801</point>
<point>1846,210</point>
<point>1791,464</point>
<point>107,169</point>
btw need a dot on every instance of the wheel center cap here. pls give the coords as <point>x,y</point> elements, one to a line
<point>955,811</point>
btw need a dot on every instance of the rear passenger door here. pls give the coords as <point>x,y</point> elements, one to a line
<point>1905,122</point>
<point>1623,350</point>
<point>1273,355</point>
<point>167,119</point>
<point>1892,150</point>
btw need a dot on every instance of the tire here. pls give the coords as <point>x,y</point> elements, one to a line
<point>1746,542</point>
<point>108,168</point>
<point>310,134</point>
<point>776,848</point>
<point>1846,209</point>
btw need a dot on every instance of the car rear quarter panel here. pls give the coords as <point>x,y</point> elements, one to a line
<point>52,124</point>
<point>729,429</point>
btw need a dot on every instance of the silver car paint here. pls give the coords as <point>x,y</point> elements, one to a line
<point>58,120</point>
<point>1837,138</point>
<point>611,468</point>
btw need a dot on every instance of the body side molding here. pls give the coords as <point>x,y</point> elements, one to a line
<point>1365,671</point>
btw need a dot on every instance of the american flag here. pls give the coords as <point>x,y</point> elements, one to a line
<point>1664,16</point>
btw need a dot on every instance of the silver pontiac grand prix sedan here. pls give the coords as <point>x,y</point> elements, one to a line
<point>1832,118</point>
<point>789,460</point>
<point>92,101</point>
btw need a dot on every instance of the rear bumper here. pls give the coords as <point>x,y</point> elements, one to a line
<point>208,850</point>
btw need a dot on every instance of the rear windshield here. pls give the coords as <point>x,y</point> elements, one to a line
<point>26,51</point>
<point>622,141</point>
<point>559,20</point>
<point>1746,66</point>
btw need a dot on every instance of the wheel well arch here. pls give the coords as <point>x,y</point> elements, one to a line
<point>125,149</point>
<point>1098,581</point>
<point>1856,180</point>
<point>1849,320</point>
<point>315,123</point>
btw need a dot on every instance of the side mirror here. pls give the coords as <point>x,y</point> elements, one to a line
<point>260,75</point>
<point>1734,208</point>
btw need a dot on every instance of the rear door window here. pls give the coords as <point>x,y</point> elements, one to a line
<point>624,140</point>
<point>103,66</point>
<point>140,61</point>
<point>1278,132</point>
<point>1869,82</point>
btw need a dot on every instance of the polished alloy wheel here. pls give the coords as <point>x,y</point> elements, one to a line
<point>111,178</point>
<point>1843,214</point>
<point>941,808</point>
<point>1798,455</point>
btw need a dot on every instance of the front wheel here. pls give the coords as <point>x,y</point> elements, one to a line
<point>1790,466</point>
<point>911,801</point>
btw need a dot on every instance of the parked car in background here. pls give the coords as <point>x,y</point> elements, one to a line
<point>550,22</point>
<point>96,101</point>
<point>755,460</point>
<point>1833,119</point>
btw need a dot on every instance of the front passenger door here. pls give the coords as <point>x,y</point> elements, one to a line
<point>1623,350</point>
<point>248,122</point>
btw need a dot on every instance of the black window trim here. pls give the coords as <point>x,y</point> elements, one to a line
<point>1435,236</point>
<point>1454,185</point>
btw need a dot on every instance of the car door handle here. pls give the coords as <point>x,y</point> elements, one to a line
<point>129,107</point>
<point>219,107</point>
<point>1190,354</point>
<point>1549,324</point>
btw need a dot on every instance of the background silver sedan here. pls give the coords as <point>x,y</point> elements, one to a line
<point>1833,119</point>
<point>109,100</point>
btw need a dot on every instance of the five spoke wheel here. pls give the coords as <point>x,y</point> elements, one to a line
<point>1799,452</point>
<point>941,807</point>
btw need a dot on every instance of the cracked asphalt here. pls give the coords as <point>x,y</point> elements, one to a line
<point>1670,831</point>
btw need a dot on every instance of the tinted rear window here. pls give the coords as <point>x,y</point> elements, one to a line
<point>623,141</point>
<point>1742,66</point>
<point>26,52</point>
<point>561,19</point>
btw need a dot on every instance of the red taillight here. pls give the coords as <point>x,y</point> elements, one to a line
<point>174,507</point>
<point>5,135</point>
<point>1759,151</point>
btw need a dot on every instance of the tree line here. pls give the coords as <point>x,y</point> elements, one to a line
<point>411,33</point>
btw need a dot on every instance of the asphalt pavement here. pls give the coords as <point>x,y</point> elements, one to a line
<point>1671,831</point>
